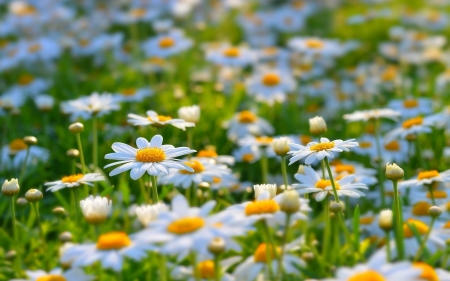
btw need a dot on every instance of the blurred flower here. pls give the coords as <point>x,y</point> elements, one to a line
<point>95,209</point>
<point>74,181</point>
<point>155,120</point>
<point>247,123</point>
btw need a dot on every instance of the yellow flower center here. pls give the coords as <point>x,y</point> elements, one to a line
<point>447,225</point>
<point>412,122</point>
<point>260,254</point>
<point>365,144</point>
<point>369,275</point>
<point>305,139</point>
<point>366,220</point>
<point>186,225</point>
<point>298,4</point>
<point>232,52</point>
<point>428,174</point>
<point>246,116</point>
<point>17,145</point>
<point>261,207</point>
<point>392,146</point>
<point>72,178</point>
<point>433,16</point>
<point>322,184</point>
<point>26,10</point>
<point>248,157</point>
<point>113,241</point>
<point>322,146</point>
<point>345,168</point>
<point>421,209</point>
<point>83,42</point>
<point>264,140</point>
<point>166,42</point>
<point>207,153</point>
<point>128,92</point>
<point>51,277</point>
<point>410,103</point>
<point>389,74</point>
<point>161,118</point>
<point>138,13</point>
<point>438,194</point>
<point>428,273</point>
<point>34,48</point>
<point>150,154</point>
<point>314,44</point>
<point>271,79</point>
<point>205,269</point>
<point>194,164</point>
<point>421,227</point>
<point>25,79</point>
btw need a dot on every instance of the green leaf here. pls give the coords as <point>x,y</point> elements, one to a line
<point>356,218</point>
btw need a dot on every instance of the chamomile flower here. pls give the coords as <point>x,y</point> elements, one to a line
<point>361,173</point>
<point>271,85</point>
<point>311,182</point>
<point>365,115</point>
<point>247,154</point>
<point>17,149</point>
<point>412,126</point>
<point>74,274</point>
<point>156,120</point>
<point>167,44</point>
<point>427,178</point>
<point>152,157</point>
<point>316,46</point>
<point>247,123</point>
<point>205,269</point>
<point>411,107</point>
<point>110,249</point>
<point>133,94</point>
<point>74,181</point>
<point>95,104</point>
<point>231,56</point>
<point>315,150</point>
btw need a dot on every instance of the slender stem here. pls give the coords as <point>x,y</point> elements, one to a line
<point>388,246</point>
<point>95,148</point>
<point>380,163</point>
<point>17,259</point>
<point>326,231</point>
<point>398,224</point>
<point>75,203</point>
<point>24,164</point>
<point>217,268</point>
<point>38,219</point>
<point>189,139</point>
<point>430,189</point>
<point>327,164</point>
<point>347,234</point>
<point>322,163</point>
<point>282,246</point>
<point>144,191</point>
<point>424,240</point>
<point>163,276</point>
<point>13,212</point>
<point>154,189</point>
<point>80,148</point>
<point>264,166</point>
<point>195,266</point>
<point>284,171</point>
<point>268,248</point>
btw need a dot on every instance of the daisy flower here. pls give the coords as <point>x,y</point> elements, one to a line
<point>427,178</point>
<point>110,249</point>
<point>74,181</point>
<point>315,150</point>
<point>411,107</point>
<point>133,94</point>
<point>247,154</point>
<point>152,157</point>
<point>271,85</point>
<point>155,120</point>
<point>95,104</point>
<point>74,274</point>
<point>413,126</point>
<point>311,182</point>
<point>231,56</point>
<point>393,151</point>
<point>361,173</point>
<point>205,269</point>
<point>17,149</point>
<point>167,44</point>
<point>247,123</point>
<point>365,115</point>
<point>316,46</point>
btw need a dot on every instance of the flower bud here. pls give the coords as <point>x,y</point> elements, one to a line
<point>76,128</point>
<point>148,213</point>
<point>10,188</point>
<point>21,201</point>
<point>290,202</point>
<point>10,255</point>
<point>435,211</point>
<point>34,195</point>
<point>189,113</point>
<point>95,209</point>
<point>308,256</point>
<point>73,153</point>
<point>66,236</point>
<point>217,246</point>
<point>336,207</point>
<point>59,211</point>
<point>30,140</point>
<point>385,220</point>
<point>281,146</point>
<point>270,188</point>
<point>394,172</point>
<point>44,102</point>
<point>317,125</point>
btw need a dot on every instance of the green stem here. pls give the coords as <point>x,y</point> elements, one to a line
<point>326,231</point>
<point>189,140</point>
<point>155,189</point>
<point>195,266</point>
<point>380,163</point>
<point>388,246</point>
<point>13,211</point>
<point>38,219</point>
<point>347,234</point>
<point>24,165</point>
<point>264,166</point>
<point>80,148</point>
<point>75,203</point>
<point>430,189</point>
<point>282,246</point>
<point>163,276</point>
<point>398,223</point>
<point>95,148</point>
<point>322,163</point>
<point>330,174</point>
<point>284,171</point>
<point>143,190</point>
<point>424,240</point>
<point>268,248</point>
<point>217,268</point>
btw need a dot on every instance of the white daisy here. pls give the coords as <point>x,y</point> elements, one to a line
<point>17,149</point>
<point>271,85</point>
<point>152,157</point>
<point>95,104</point>
<point>74,181</point>
<point>311,182</point>
<point>167,44</point>
<point>247,123</point>
<point>426,178</point>
<point>133,94</point>
<point>74,274</point>
<point>205,269</point>
<point>411,107</point>
<point>413,126</point>
<point>231,56</point>
<point>365,115</point>
<point>315,150</point>
<point>361,173</point>
<point>155,120</point>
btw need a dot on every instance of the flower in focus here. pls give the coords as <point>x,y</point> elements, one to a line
<point>157,121</point>
<point>74,181</point>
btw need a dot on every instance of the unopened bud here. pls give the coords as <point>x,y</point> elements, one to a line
<point>10,255</point>
<point>317,125</point>
<point>217,246</point>
<point>281,146</point>
<point>308,256</point>
<point>21,201</point>
<point>336,207</point>
<point>290,202</point>
<point>76,128</point>
<point>385,220</point>
<point>73,153</point>
<point>59,211</point>
<point>10,188</point>
<point>34,195</point>
<point>435,211</point>
<point>30,140</point>
<point>394,172</point>
<point>66,236</point>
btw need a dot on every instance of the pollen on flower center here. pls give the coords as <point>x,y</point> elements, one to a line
<point>261,207</point>
<point>186,225</point>
<point>17,145</point>
<point>271,79</point>
<point>412,122</point>
<point>150,154</point>
<point>72,178</point>
<point>129,92</point>
<point>305,139</point>
<point>428,174</point>
<point>207,153</point>
<point>322,146</point>
<point>369,275</point>
<point>113,241</point>
<point>345,168</point>
<point>166,42</point>
<point>410,103</point>
<point>205,269</point>
<point>392,146</point>
<point>25,79</point>
<point>365,144</point>
<point>51,277</point>
<point>389,74</point>
<point>260,254</point>
<point>246,116</point>
<point>421,227</point>
<point>322,184</point>
<point>231,52</point>
<point>314,44</point>
<point>421,209</point>
<point>248,157</point>
<point>264,140</point>
<point>34,48</point>
<point>366,220</point>
<point>194,164</point>
<point>428,272</point>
